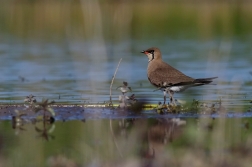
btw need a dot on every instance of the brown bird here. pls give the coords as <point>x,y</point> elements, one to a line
<point>167,78</point>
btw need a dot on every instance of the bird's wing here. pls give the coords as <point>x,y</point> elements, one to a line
<point>172,77</point>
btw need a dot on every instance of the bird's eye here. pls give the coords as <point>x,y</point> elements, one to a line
<point>150,51</point>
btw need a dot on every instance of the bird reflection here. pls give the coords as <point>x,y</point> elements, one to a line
<point>163,132</point>
<point>154,135</point>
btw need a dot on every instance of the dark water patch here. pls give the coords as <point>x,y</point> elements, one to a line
<point>78,112</point>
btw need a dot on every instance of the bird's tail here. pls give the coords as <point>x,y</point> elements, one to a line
<point>204,80</point>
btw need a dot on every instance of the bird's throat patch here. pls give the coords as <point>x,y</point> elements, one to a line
<point>151,56</point>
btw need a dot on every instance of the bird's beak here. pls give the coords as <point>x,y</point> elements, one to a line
<point>143,51</point>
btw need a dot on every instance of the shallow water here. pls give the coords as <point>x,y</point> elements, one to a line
<point>68,52</point>
<point>80,74</point>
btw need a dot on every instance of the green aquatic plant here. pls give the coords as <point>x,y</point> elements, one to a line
<point>168,108</point>
<point>44,105</point>
<point>173,108</point>
<point>30,99</point>
<point>125,101</point>
<point>195,105</point>
<point>124,88</point>
<point>160,109</point>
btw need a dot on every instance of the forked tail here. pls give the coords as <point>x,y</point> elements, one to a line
<point>204,80</point>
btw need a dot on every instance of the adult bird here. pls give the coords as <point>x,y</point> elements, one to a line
<point>167,78</point>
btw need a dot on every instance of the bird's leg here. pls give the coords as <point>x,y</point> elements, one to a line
<point>164,96</point>
<point>171,93</point>
<point>124,100</point>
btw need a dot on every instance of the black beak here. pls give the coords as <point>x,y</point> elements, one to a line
<point>143,51</point>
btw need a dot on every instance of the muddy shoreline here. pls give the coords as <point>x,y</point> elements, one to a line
<point>81,112</point>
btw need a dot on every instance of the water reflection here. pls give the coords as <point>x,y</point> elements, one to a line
<point>153,139</point>
<point>46,130</point>
<point>160,134</point>
<point>135,141</point>
<point>42,126</point>
<point>18,124</point>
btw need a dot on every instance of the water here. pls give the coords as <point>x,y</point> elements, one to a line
<point>79,73</point>
<point>68,52</point>
<point>72,52</point>
<point>134,142</point>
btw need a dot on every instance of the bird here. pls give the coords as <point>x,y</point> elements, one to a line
<point>167,78</point>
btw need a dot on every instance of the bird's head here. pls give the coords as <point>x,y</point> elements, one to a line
<point>152,53</point>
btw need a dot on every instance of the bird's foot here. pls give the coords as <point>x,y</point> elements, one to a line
<point>161,108</point>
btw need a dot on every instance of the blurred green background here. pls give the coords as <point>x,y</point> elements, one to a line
<point>120,20</point>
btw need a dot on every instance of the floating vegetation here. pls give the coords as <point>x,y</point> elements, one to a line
<point>48,113</point>
<point>125,88</point>
<point>45,107</point>
<point>194,107</point>
<point>125,101</point>
<point>30,99</point>
<point>127,106</point>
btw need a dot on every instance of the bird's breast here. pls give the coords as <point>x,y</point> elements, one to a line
<point>177,88</point>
